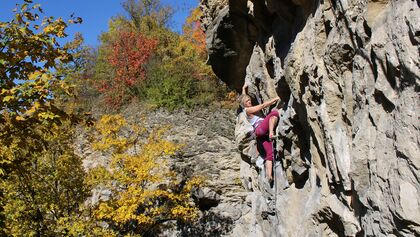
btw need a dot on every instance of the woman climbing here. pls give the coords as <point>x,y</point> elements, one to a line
<point>263,127</point>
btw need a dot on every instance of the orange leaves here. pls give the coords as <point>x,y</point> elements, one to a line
<point>130,51</point>
<point>193,32</point>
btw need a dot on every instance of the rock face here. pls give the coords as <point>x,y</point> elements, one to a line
<point>348,74</point>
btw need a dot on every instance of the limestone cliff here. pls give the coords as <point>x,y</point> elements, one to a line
<point>348,74</point>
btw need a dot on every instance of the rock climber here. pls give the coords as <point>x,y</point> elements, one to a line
<point>263,127</point>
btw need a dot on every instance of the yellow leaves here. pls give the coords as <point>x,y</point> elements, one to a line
<point>34,75</point>
<point>8,98</point>
<point>48,115</point>
<point>104,211</point>
<point>18,18</point>
<point>35,83</point>
<point>48,29</point>
<point>76,20</point>
<point>34,108</point>
<point>194,182</point>
<point>108,127</point>
<point>41,176</point>
<point>144,219</point>
<point>187,212</point>
<point>47,175</point>
<point>20,118</point>
<point>29,16</point>
<point>107,143</point>
<point>56,28</point>
<point>30,98</point>
<point>142,184</point>
<point>110,124</point>
<point>7,154</point>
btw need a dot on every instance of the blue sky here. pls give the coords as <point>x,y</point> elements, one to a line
<point>95,13</point>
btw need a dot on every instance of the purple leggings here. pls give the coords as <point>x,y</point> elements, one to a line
<point>262,130</point>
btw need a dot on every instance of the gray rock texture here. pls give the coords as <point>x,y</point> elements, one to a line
<point>347,72</point>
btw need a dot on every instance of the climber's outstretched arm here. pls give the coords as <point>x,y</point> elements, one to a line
<point>257,108</point>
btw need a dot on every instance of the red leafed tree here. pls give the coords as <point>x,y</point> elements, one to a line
<point>129,53</point>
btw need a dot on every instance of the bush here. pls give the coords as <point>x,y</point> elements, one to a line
<point>174,90</point>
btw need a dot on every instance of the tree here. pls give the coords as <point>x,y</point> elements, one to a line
<point>29,49</point>
<point>148,15</point>
<point>193,32</point>
<point>153,63</point>
<point>28,52</point>
<point>79,73</point>
<point>43,192</point>
<point>130,51</point>
<point>35,157</point>
<point>145,193</point>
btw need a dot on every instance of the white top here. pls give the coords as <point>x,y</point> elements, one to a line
<point>255,120</point>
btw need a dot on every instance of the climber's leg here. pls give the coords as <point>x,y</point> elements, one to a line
<point>269,156</point>
<point>264,127</point>
<point>262,132</point>
<point>269,170</point>
<point>271,125</point>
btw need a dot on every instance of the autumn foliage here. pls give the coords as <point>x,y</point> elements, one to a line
<point>193,32</point>
<point>44,187</point>
<point>29,54</point>
<point>129,53</point>
<point>145,192</point>
<point>29,59</point>
<point>140,58</point>
<point>38,168</point>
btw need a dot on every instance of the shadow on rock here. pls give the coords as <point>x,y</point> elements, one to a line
<point>210,224</point>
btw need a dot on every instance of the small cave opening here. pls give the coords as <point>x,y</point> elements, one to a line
<point>205,200</point>
<point>204,204</point>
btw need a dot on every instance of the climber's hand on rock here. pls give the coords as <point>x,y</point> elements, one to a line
<point>244,88</point>
<point>274,100</point>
